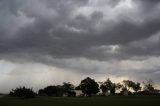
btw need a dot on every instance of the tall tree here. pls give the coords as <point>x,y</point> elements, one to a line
<point>119,86</point>
<point>68,89</point>
<point>107,86</point>
<point>113,88</point>
<point>89,86</point>
<point>148,85</point>
<point>136,87</point>
<point>128,84</point>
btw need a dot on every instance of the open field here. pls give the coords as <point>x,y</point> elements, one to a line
<point>86,101</point>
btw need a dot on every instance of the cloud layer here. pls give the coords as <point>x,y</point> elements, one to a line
<point>83,37</point>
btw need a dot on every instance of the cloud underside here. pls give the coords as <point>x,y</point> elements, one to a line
<point>82,37</point>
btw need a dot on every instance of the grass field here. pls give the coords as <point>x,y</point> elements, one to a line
<point>83,101</point>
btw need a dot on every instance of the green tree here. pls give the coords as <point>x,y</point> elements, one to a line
<point>89,86</point>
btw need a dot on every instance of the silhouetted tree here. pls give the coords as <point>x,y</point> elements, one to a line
<point>113,88</point>
<point>128,84</point>
<point>119,86</point>
<point>125,91</point>
<point>41,92</point>
<point>68,89</point>
<point>148,85</point>
<point>23,92</point>
<point>136,87</point>
<point>125,87</point>
<point>89,86</point>
<point>107,87</point>
<point>53,91</point>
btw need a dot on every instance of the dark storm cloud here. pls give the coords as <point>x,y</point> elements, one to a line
<point>82,37</point>
<point>51,28</point>
<point>148,4</point>
<point>77,34</point>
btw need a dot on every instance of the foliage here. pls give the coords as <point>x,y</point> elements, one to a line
<point>68,89</point>
<point>59,90</point>
<point>128,84</point>
<point>51,91</point>
<point>108,86</point>
<point>119,86</point>
<point>148,85</point>
<point>23,92</point>
<point>136,87</point>
<point>125,92</point>
<point>89,86</point>
<point>113,88</point>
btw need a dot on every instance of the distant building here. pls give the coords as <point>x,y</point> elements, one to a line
<point>78,92</point>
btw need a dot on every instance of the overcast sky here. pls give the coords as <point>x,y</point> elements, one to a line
<point>47,42</point>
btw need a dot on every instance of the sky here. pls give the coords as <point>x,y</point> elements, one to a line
<point>48,42</point>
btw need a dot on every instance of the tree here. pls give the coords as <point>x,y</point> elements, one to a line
<point>136,87</point>
<point>107,87</point>
<point>113,88</point>
<point>128,84</point>
<point>119,86</point>
<point>53,90</point>
<point>148,85</point>
<point>89,86</point>
<point>23,92</point>
<point>41,92</point>
<point>68,89</point>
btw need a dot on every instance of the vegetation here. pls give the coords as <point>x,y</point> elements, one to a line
<point>23,92</point>
<point>148,85</point>
<point>90,87</point>
<point>66,89</point>
<point>51,91</point>
<point>107,87</point>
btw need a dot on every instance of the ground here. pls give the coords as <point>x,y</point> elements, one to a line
<point>83,101</point>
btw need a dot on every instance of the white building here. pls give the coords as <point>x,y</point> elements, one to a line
<point>78,92</point>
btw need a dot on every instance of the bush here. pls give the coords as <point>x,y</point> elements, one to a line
<point>56,91</point>
<point>23,92</point>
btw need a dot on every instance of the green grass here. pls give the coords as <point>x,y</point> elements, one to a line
<point>83,101</point>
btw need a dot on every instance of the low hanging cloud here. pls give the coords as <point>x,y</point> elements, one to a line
<point>83,37</point>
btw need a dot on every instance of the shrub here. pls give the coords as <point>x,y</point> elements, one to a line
<point>23,92</point>
<point>51,91</point>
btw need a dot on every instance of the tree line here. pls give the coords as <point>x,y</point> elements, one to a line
<point>90,87</point>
